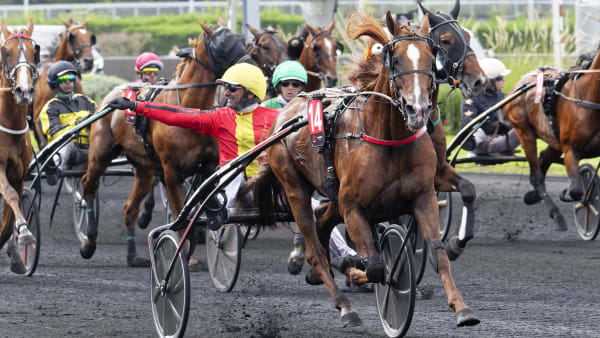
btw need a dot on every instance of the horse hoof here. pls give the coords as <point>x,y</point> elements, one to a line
<point>138,262</point>
<point>312,278</point>
<point>87,249</point>
<point>531,197</point>
<point>351,319</point>
<point>466,317</point>
<point>296,260</point>
<point>18,268</point>
<point>144,220</point>
<point>453,249</point>
<point>26,238</point>
<point>565,197</point>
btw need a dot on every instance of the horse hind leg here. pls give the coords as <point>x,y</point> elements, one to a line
<point>141,187</point>
<point>448,180</point>
<point>146,214</point>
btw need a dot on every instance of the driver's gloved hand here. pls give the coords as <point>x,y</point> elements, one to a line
<point>122,103</point>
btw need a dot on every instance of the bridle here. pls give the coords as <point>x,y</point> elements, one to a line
<point>387,56</point>
<point>268,67</point>
<point>10,71</point>
<point>77,51</point>
<point>453,67</point>
<point>317,60</point>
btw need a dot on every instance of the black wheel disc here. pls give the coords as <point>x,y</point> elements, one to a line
<point>170,298</point>
<point>396,299</point>
<point>224,256</point>
<point>445,207</point>
<point>587,213</point>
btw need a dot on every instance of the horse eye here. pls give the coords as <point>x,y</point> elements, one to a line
<point>266,47</point>
<point>446,42</point>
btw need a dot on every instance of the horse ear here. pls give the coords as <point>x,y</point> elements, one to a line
<point>424,28</point>
<point>455,10</point>
<point>433,18</point>
<point>84,24</point>
<point>5,31</point>
<point>221,21</point>
<point>253,30</point>
<point>29,28</point>
<point>67,25</point>
<point>209,31</point>
<point>392,25</point>
<point>331,26</point>
<point>311,30</point>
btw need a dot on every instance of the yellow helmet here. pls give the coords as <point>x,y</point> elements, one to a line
<point>247,76</point>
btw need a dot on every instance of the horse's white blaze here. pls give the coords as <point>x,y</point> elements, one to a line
<point>82,30</point>
<point>328,45</point>
<point>23,71</point>
<point>414,54</point>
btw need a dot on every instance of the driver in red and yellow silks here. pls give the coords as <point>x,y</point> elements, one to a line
<point>238,127</point>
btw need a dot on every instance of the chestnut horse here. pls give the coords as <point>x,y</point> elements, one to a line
<point>457,65</point>
<point>577,107</point>
<point>75,46</point>
<point>177,152</point>
<point>319,57</point>
<point>268,50</point>
<point>385,163</point>
<point>17,79</point>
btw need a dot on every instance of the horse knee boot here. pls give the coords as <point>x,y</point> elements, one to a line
<point>375,269</point>
<point>454,249</point>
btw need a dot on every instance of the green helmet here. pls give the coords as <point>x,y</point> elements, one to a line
<point>289,70</point>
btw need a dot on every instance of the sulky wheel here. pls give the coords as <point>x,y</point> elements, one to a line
<point>224,256</point>
<point>170,298</point>
<point>396,298</point>
<point>30,254</point>
<point>80,217</point>
<point>445,207</point>
<point>587,212</point>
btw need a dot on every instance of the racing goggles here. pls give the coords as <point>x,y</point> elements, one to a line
<point>150,70</point>
<point>66,78</point>
<point>294,83</point>
<point>231,88</point>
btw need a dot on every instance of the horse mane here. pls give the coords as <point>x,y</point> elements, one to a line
<point>365,72</point>
<point>585,59</point>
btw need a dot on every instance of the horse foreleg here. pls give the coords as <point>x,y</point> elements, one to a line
<point>16,263</point>
<point>425,212</point>
<point>448,180</point>
<point>12,200</point>
<point>547,156</point>
<point>141,187</point>
<point>572,167</point>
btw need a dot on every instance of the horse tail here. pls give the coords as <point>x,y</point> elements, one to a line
<point>269,195</point>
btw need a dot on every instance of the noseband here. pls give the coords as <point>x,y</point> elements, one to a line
<point>457,65</point>
<point>10,71</point>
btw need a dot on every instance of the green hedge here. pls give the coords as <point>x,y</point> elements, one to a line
<point>97,86</point>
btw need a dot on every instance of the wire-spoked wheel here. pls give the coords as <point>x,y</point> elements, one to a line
<point>396,297</point>
<point>418,245</point>
<point>445,208</point>
<point>170,298</point>
<point>30,254</point>
<point>587,212</point>
<point>224,256</point>
<point>80,216</point>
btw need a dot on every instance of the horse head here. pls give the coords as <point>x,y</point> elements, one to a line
<point>320,54</point>
<point>20,56</point>
<point>80,42</point>
<point>267,49</point>
<point>409,63</point>
<point>455,59</point>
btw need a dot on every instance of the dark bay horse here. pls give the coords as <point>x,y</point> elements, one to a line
<point>457,65</point>
<point>176,151</point>
<point>76,47</point>
<point>17,79</point>
<point>319,57</point>
<point>377,181</point>
<point>577,136</point>
<point>268,50</point>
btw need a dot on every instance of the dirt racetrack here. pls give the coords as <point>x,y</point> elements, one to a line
<point>522,278</point>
